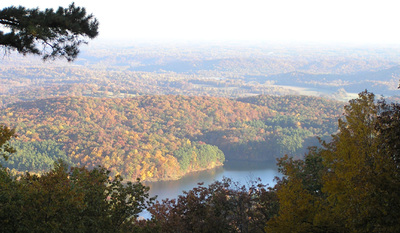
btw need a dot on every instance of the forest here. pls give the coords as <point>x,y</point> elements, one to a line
<point>349,184</point>
<point>164,137</point>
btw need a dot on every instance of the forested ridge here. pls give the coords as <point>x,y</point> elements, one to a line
<point>348,184</point>
<point>164,137</point>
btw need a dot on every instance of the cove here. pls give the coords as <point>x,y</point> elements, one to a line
<point>238,171</point>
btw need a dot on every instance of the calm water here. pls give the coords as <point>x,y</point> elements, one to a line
<point>236,170</point>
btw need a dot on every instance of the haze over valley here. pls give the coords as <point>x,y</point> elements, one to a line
<point>225,70</point>
<point>149,110</point>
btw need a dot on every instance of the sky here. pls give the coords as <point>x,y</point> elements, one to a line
<point>322,21</point>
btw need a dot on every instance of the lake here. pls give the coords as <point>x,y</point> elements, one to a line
<point>240,171</point>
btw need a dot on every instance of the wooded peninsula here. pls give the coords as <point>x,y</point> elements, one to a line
<point>164,137</point>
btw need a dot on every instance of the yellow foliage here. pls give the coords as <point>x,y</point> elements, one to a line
<point>297,209</point>
<point>147,155</point>
<point>143,176</point>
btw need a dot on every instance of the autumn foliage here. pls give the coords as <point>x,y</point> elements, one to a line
<point>349,184</point>
<point>163,137</point>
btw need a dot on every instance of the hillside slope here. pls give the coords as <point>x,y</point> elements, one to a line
<point>162,137</point>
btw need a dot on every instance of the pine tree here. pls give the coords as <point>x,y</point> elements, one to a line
<point>47,33</point>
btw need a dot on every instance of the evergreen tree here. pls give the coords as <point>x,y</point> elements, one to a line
<point>47,33</point>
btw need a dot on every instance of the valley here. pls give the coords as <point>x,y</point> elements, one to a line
<point>158,112</point>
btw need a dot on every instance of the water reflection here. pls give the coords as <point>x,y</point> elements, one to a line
<point>239,171</point>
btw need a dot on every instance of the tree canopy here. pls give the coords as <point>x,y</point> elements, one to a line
<point>69,200</point>
<point>49,33</point>
<point>162,137</point>
<point>352,183</point>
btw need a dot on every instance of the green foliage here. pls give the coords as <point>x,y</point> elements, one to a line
<point>184,156</point>
<point>199,156</point>
<point>207,154</point>
<point>69,200</point>
<point>37,156</point>
<point>290,141</point>
<point>60,32</point>
<point>258,124</point>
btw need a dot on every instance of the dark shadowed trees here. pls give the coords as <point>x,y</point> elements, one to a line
<point>69,200</point>
<point>221,207</point>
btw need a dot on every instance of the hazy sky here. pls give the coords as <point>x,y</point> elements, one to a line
<point>354,21</point>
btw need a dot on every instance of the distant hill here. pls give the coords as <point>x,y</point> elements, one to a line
<point>383,82</point>
<point>223,70</point>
